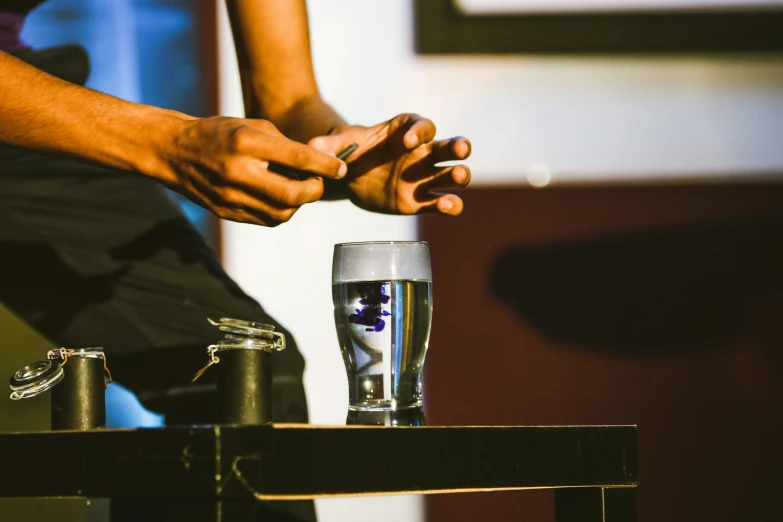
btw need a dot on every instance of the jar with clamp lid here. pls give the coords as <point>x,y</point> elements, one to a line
<point>78,399</point>
<point>244,380</point>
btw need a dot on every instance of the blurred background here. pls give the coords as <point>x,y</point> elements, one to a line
<point>619,258</point>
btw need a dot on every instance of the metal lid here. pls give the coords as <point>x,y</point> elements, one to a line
<point>65,353</point>
<point>35,379</point>
<point>40,376</point>
<point>248,335</point>
<point>242,335</point>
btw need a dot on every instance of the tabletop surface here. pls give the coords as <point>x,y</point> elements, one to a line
<point>304,461</point>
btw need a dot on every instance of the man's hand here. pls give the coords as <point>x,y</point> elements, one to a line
<point>223,164</point>
<point>394,170</point>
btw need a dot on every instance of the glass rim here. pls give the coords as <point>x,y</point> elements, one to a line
<point>361,243</point>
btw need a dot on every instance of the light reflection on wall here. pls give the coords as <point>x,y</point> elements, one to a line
<point>144,51</point>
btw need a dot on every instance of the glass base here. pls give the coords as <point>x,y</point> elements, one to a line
<point>413,416</point>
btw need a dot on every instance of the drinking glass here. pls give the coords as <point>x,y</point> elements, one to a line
<point>382,295</point>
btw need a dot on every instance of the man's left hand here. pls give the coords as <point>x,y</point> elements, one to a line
<point>394,170</point>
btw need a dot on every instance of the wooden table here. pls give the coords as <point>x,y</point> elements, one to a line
<point>216,472</point>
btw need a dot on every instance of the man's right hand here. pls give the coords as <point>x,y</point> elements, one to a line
<point>223,164</point>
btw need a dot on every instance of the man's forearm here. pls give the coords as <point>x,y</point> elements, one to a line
<point>273,49</point>
<point>41,112</point>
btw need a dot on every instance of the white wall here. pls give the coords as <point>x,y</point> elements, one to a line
<point>592,118</point>
<point>582,118</point>
<point>288,269</point>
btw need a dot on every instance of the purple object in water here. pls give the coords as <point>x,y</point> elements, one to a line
<point>10,27</point>
<point>373,298</point>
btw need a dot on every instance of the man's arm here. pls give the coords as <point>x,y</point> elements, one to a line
<point>220,163</point>
<point>41,112</point>
<point>273,49</point>
<point>395,169</point>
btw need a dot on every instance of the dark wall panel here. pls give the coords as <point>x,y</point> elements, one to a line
<point>655,306</point>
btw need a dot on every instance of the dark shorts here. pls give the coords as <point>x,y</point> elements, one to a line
<point>92,256</point>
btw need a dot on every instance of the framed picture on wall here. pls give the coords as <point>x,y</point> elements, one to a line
<point>597,26</point>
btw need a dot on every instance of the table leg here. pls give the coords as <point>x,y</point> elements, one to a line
<point>595,504</point>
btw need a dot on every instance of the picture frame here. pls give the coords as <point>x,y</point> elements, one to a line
<point>441,27</point>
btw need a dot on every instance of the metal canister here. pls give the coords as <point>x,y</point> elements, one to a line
<point>244,381</point>
<point>78,393</point>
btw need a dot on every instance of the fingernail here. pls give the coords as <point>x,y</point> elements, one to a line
<point>411,140</point>
<point>343,171</point>
<point>459,174</point>
<point>462,148</point>
<point>446,204</point>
